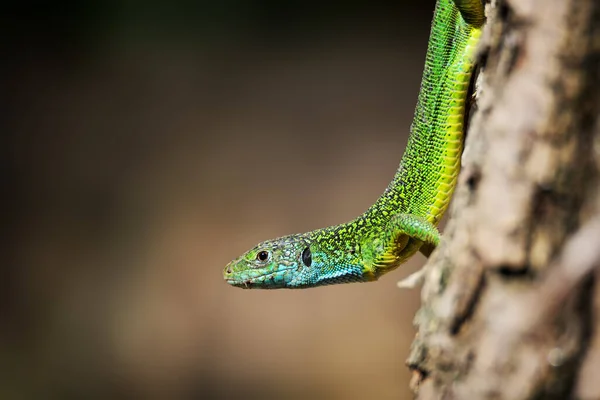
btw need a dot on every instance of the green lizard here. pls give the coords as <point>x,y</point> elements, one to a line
<point>404,219</point>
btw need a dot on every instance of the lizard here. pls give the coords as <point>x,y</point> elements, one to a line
<point>404,218</point>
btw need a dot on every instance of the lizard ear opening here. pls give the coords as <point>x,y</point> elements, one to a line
<point>307,257</point>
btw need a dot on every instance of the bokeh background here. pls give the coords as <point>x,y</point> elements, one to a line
<point>145,144</point>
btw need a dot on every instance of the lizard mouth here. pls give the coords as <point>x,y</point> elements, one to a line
<point>263,281</point>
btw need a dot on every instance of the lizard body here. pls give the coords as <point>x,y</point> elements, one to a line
<point>404,219</point>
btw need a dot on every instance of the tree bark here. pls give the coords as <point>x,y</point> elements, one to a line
<point>511,302</point>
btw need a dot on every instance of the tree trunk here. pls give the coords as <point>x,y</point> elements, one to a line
<point>510,305</point>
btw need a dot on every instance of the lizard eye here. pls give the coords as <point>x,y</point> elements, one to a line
<point>307,257</point>
<point>262,256</point>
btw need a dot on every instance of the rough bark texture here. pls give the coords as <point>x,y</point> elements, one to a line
<point>511,302</point>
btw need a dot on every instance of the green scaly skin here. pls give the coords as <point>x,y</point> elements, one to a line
<point>404,219</point>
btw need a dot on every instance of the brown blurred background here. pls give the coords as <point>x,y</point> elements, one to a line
<point>145,144</point>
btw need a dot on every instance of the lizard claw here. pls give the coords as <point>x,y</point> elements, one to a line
<point>413,280</point>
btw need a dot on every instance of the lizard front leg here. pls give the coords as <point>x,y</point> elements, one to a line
<point>400,238</point>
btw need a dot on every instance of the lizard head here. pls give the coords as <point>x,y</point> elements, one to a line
<point>279,263</point>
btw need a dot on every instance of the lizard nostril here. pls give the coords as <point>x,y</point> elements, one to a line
<point>229,270</point>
